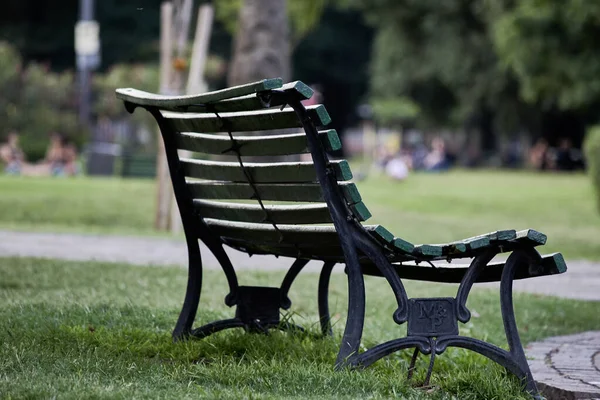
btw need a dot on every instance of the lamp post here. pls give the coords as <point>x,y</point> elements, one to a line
<point>87,50</point>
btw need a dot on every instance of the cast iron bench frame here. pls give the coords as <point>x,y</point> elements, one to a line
<point>365,250</point>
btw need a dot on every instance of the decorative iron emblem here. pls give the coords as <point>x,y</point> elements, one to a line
<point>432,317</point>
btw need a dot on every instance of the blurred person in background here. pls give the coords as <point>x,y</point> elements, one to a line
<point>61,156</point>
<point>538,155</point>
<point>566,157</point>
<point>437,159</point>
<point>11,155</point>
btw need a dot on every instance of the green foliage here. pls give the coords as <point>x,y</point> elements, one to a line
<point>441,56</point>
<point>142,77</point>
<point>592,153</point>
<point>551,46</point>
<point>37,102</point>
<point>498,66</point>
<point>394,110</point>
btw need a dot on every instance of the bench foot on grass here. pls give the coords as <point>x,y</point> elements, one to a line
<point>433,327</point>
<point>257,308</point>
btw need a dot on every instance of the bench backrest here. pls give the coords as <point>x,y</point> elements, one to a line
<point>260,191</point>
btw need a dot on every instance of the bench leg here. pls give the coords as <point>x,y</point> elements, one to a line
<point>324,317</point>
<point>519,258</point>
<point>215,327</point>
<point>420,338</point>
<point>183,328</point>
<point>289,278</point>
<point>356,309</point>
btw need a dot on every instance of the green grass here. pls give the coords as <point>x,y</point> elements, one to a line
<point>91,205</point>
<point>98,330</point>
<point>427,208</point>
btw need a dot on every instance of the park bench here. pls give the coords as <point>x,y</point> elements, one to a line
<point>310,210</point>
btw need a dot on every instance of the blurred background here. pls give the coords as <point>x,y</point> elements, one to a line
<point>411,85</point>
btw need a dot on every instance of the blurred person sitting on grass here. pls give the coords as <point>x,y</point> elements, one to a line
<point>438,158</point>
<point>11,155</point>
<point>61,156</point>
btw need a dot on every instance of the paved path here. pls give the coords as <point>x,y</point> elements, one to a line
<point>566,367</point>
<point>580,282</point>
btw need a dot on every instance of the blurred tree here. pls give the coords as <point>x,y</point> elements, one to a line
<point>262,47</point>
<point>499,66</point>
<point>552,47</point>
<point>440,54</point>
<point>303,15</point>
<point>35,102</point>
<point>129,31</point>
<point>335,55</point>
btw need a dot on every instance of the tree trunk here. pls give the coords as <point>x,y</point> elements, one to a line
<point>262,43</point>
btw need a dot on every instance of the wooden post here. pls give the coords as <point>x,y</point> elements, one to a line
<point>164,189</point>
<point>181,30</point>
<point>195,82</point>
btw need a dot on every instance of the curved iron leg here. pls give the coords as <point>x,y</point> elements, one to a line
<point>494,353</point>
<point>370,356</point>
<point>186,318</point>
<point>288,280</point>
<point>217,249</point>
<point>356,307</point>
<point>462,312</point>
<point>384,265</point>
<point>324,317</point>
<point>517,258</point>
<point>215,327</point>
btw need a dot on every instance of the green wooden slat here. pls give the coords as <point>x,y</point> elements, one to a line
<point>530,236</point>
<point>271,145</point>
<point>404,246</point>
<point>383,235</point>
<point>467,246</point>
<point>294,91</point>
<point>351,193</point>
<point>309,192</point>
<point>476,243</point>
<point>280,172</point>
<point>333,142</point>
<point>428,250</point>
<point>266,233</point>
<point>142,98</point>
<point>557,263</point>
<point>279,214</point>
<point>508,234</point>
<point>261,120</point>
<point>550,264</point>
<point>360,211</point>
<point>311,251</point>
<point>319,236</point>
<point>454,248</point>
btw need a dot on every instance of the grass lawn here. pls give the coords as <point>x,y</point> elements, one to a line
<point>97,330</point>
<point>427,208</point>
